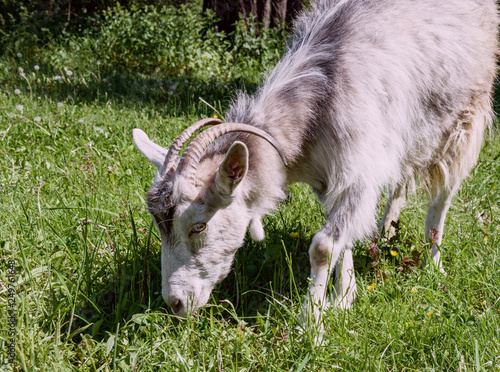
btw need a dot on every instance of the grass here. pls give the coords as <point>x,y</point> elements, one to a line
<point>87,276</point>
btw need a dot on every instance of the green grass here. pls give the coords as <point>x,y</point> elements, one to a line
<point>88,278</point>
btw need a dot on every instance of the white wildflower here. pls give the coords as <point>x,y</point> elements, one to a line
<point>69,72</point>
<point>19,55</point>
<point>17,91</point>
<point>98,63</point>
<point>37,119</point>
<point>60,104</point>
<point>57,77</point>
<point>20,108</point>
<point>37,67</point>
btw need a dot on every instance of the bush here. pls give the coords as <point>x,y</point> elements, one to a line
<point>34,23</point>
<point>174,40</point>
<point>160,47</point>
<point>248,49</point>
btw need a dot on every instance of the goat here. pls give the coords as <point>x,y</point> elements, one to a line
<point>369,95</point>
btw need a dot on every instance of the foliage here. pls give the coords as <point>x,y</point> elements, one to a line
<point>249,47</point>
<point>34,22</point>
<point>180,41</point>
<point>170,39</point>
<point>165,41</point>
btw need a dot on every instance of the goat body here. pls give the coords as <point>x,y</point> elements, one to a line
<point>369,95</point>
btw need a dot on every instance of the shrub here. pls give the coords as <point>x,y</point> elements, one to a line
<point>145,39</point>
<point>169,45</point>
<point>183,41</point>
<point>247,49</point>
<point>34,23</point>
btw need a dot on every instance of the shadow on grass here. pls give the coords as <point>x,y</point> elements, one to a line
<point>260,273</point>
<point>170,95</point>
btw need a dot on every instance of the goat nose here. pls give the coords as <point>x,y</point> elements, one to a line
<point>175,304</point>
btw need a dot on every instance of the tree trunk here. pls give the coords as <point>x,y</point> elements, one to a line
<point>269,13</point>
<point>279,12</point>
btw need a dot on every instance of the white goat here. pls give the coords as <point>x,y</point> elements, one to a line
<point>369,95</point>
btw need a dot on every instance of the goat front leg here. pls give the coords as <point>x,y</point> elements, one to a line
<point>328,251</point>
<point>323,254</point>
<point>351,219</point>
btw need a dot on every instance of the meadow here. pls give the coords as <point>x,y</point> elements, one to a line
<point>79,256</point>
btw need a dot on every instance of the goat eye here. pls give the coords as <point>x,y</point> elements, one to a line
<point>198,228</point>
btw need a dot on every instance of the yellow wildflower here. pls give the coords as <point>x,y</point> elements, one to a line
<point>413,290</point>
<point>371,286</point>
<point>294,234</point>
<point>430,313</point>
<point>483,303</point>
<point>216,116</point>
<point>394,253</point>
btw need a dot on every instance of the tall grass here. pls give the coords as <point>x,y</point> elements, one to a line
<point>87,276</point>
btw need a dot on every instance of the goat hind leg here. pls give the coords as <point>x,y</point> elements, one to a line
<point>434,223</point>
<point>392,210</point>
<point>462,151</point>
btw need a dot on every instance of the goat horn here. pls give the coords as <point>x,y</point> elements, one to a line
<point>192,156</point>
<point>176,146</point>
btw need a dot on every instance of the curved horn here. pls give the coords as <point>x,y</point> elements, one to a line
<point>192,156</point>
<point>176,146</point>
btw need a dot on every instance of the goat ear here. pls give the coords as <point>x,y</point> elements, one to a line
<point>154,153</point>
<point>233,169</point>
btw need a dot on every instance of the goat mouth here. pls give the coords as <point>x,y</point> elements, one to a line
<point>188,306</point>
<point>182,311</point>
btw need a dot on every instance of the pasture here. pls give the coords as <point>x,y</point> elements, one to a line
<point>86,278</point>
